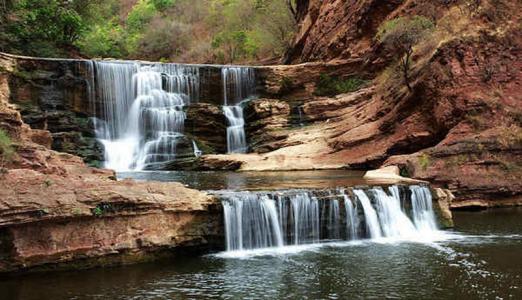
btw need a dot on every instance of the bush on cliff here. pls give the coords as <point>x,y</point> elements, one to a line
<point>400,35</point>
<point>331,86</point>
<point>6,150</point>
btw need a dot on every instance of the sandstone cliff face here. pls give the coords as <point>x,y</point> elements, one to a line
<point>57,212</point>
<point>331,30</point>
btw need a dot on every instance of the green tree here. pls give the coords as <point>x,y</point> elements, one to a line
<point>104,40</point>
<point>47,24</point>
<point>401,35</point>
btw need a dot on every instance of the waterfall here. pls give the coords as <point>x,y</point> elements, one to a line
<point>143,111</point>
<point>334,220</point>
<point>236,138</point>
<point>304,219</point>
<point>197,151</point>
<point>372,221</point>
<point>422,208</point>
<point>252,223</point>
<point>393,220</point>
<point>139,110</point>
<point>352,220</point>
<point>238,85</point>
<point>295,217</point>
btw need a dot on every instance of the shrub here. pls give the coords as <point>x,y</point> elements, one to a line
<point>102,209</point>
<point>331,86</point>
<point>163,39</point>
<point>400,35</point>
<point>6,149</point>
<point>424,161</point>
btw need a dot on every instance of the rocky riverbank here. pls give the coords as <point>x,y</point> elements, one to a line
<point>56,212</point>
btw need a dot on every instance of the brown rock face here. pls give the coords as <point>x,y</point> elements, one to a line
<point>51,219</point>
<point>207,124</point>
<point>331,30</point>
<point>265,118</point>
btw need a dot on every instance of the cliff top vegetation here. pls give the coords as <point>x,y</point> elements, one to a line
<point>211,31</point>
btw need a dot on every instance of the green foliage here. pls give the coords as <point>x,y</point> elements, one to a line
<point>161,5</point>
<point>105,39</point>
<point>7,151</point>
<point>41,27</point>
<point>404,172</point>
<point>331,86</point>
<point>102,209</point>
<point>140,15</point>
<point>225,31</point>
<point>424,161</point>
<point>404,30</point>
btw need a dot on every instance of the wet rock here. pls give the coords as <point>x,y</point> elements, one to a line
<point>442,199</point>
<point>206,123</point>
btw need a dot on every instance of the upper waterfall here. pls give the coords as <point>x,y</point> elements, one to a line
<point>142,110</point>
<point>239,84</point>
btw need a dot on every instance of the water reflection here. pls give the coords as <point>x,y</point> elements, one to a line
<point>214,180</point>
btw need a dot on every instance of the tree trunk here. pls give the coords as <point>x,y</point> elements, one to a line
<point>406,68</point>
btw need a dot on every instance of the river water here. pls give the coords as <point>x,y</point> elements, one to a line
<point>479,259</point>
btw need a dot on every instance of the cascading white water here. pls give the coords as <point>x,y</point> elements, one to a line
<point>143,111</point>
<point>140,110</point>
<point>304,219</point>
<point>352,220</point>
<point>334,220</point>
<point>238,85</point>
<point>296,217</point>
<point>372,221</point>
<point>422,209</point>
<point>394,221</point>
<point>252,222</point>
<point>236,138</point>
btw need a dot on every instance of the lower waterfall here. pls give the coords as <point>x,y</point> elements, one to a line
<point>255,220</point>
